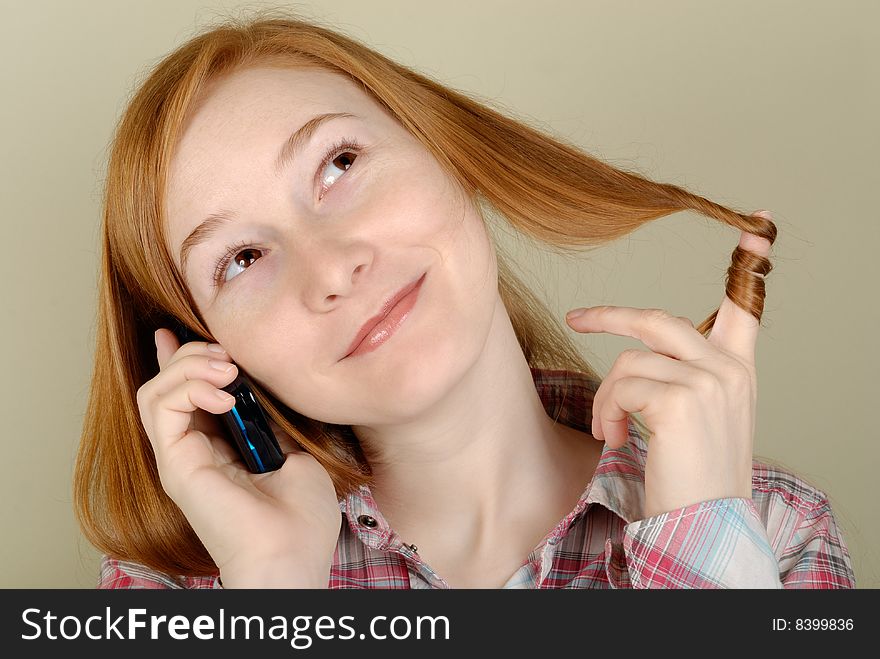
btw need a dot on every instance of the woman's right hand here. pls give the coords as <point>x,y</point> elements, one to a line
<point>277,529</point>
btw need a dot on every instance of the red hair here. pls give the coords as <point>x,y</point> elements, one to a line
<point>543,186</point>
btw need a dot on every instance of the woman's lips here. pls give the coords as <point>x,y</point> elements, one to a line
<point>388,325</point>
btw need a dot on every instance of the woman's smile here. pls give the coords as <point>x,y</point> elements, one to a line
<point>388,326</point>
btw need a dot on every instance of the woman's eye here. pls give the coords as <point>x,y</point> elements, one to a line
<point>340,157</point>
<point>236,257</point>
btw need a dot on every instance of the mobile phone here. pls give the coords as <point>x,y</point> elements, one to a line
<point>246,425</point>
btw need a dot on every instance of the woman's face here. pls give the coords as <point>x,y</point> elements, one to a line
<point>317,249</point>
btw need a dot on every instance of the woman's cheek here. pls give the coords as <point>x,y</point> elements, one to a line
<point>255,286</point>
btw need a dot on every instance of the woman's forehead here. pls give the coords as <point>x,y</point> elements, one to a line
<point>268,91</point>
<point>230,142</point>
<point>244,115</point>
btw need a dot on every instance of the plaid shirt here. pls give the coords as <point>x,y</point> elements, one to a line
<point>785,536</point>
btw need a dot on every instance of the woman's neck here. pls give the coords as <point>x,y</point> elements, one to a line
<point>485,461</point>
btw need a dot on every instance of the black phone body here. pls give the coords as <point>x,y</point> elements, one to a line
<point>246,425</point>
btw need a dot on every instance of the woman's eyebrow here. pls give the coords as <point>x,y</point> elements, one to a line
<point>289,149</point>
<point>301,136</point>
<point>201,233</point>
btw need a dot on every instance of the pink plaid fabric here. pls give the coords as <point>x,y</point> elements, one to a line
<point>785,536</point>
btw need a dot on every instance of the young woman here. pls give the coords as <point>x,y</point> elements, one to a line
<point>276,186</point>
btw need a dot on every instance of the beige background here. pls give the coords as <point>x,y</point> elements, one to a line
<point>754,104</point>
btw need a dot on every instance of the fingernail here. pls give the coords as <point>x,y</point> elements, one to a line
<point>220,366</point>
<point>215,347</point>
<point>574,313</point>
<point>767,214</point>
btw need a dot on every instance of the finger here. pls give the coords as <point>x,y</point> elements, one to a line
<point>642,364</point>
<point>736,329</point>
<point>659,330</point>
<point>193,366</point>
<point>168,347</point>
<point>179,373</point>
<point>628,395</point>
<point>172,414</point>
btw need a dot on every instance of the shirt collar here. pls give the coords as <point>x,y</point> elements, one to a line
<point>618,483</point>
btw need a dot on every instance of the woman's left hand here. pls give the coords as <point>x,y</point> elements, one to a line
<point>697,396</point>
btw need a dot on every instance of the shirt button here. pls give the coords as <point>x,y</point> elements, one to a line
<point>366,520</point>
